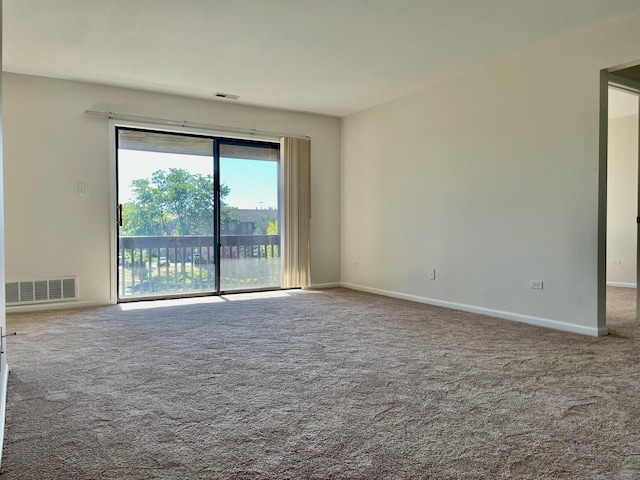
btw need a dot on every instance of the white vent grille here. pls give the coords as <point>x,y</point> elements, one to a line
<point>12,292</point>
<point>41,291</point>
<point>55,289</point>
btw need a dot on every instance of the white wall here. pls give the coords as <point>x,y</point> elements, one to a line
<point>622,196</point>
<point>491,180</point>
<point>51,145</point>
<point>4,368</point>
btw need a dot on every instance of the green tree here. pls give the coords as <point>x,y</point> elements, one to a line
<point>272,228</point>
<point>267,225</point>
<point>176,203</point>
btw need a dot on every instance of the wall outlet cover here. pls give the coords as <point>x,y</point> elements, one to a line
<point>535,284</point>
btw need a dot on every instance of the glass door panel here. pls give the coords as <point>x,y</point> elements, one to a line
<point>249,216</point>
<point>166,241</point>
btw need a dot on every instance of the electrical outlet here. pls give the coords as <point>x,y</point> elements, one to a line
<point>432,274</point>
<point>82,189</point>
<point>615,262</point>
<point>535,284</point>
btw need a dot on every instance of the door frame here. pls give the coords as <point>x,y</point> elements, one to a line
<point>608,78</point>
<point>217,137</point>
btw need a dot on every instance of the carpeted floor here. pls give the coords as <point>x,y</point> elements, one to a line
<point>318,384</point>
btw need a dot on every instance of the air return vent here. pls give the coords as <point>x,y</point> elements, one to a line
<point>41,291</point>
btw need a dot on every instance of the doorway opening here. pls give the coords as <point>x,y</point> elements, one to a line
<point>622,204</point>
<point>197,215</point>
<point>619,210</point>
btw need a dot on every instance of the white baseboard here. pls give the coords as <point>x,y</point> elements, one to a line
<point>516,317</point>
<point>320,286</point>
<point>621,284</point>
<point>39,307</point>
<point>4,381</point>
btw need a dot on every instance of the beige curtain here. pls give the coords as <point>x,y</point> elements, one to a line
<point>296,211</point>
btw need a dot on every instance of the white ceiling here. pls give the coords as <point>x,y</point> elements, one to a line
<point>332,57</point>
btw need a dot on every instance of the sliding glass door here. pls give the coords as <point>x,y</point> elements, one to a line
<point>166,205</point>
<point>197,215</point>
<point>250,216</point>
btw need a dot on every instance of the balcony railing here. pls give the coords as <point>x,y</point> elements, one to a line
<point>150,266</point>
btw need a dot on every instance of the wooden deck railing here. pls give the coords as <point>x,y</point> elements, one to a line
<point>175,265</point>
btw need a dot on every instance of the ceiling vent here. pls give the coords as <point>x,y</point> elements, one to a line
<point>228,96</point>
<point>41,291</point>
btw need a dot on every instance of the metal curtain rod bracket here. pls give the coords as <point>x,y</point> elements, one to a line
<point>186,124</point>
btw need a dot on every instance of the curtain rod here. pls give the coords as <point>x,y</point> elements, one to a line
<point>184,123</point>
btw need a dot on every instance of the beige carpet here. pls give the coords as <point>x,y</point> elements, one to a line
<point>328,384</point>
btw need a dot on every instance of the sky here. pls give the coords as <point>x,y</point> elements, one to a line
<point>253,183</point>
